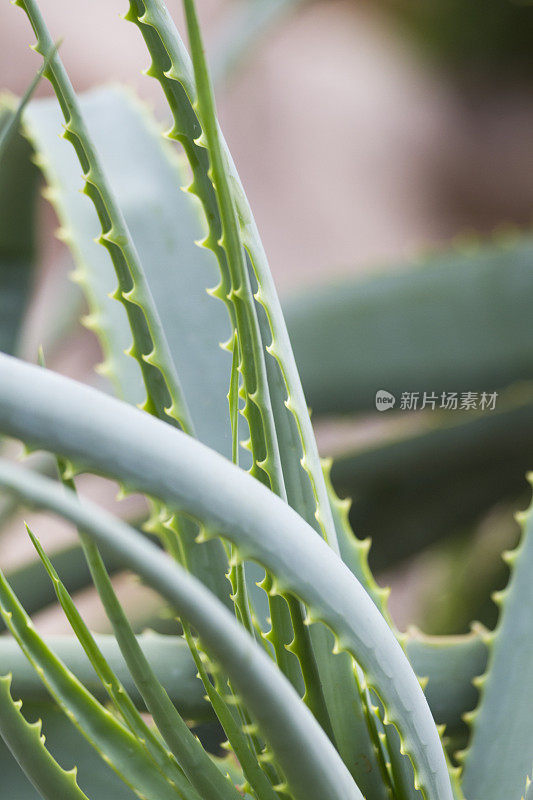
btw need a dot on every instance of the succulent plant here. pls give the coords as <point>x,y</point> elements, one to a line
<point>283,639</point>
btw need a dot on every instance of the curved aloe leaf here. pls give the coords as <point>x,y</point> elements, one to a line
<point>448,665</point>
<point>306,490</point>
<point>116,745</point>
<point>494,765</point>
<point>183,473</point>
<point>27,744</point>
<point>311,765</point>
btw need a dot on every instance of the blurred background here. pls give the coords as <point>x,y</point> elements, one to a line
<point>385,148</point>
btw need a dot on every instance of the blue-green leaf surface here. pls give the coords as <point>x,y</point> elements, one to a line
<point>240,508</point>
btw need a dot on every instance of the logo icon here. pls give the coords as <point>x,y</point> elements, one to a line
<point>384,400</point>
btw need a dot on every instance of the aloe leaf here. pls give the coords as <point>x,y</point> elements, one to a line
<point>239,292</point>
<point>194,323</point>
<point>34,589</point>
<point>150,346</point>
<point>453,321</point>
<point>449,666</point>
<point>168,655</point>
<point>286,395</point>
<point>235,289</point>
<point>252,362</point>
<point>529,789</point>
<point>195,762</point>
<point>171,66</point>
<point>500,751</point>
<point>447,663</point>
<point>226,498</point>
<point>68,747</point>
<point>27,744</point>
<point>110,738</point>
<point>119,697</point>
<point>311,765</point>
<point>246,756</point>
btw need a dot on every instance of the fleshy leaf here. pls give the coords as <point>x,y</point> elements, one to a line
<point>311,765</point>
<point>227,498</point>
<point>500,751</point>
<point>27,744</point>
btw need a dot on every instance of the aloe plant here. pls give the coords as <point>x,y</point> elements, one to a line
<point>288,645</point>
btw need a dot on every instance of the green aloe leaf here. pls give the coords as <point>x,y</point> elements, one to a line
<point>27,744</point>
<point>117,694</point>
<point>494,765</point>
<point>168,655</point>
<point>177,271</point>
<point>111,739</point>
<point>304,482</point>
<point>67,745</point>
<point>207,486</point>
<point>150,347</point>
<point>454,321</point>
<point>311,765</point>
<point>172,67</point>
<point>33,587</point>
<point>449,666</point>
